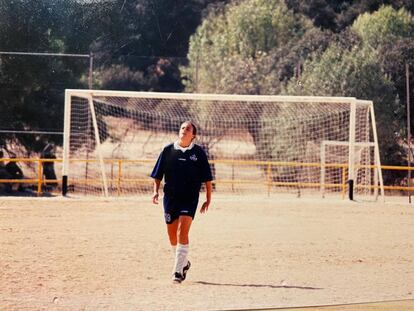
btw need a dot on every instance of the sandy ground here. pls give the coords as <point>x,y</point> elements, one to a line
<point>246,252</point>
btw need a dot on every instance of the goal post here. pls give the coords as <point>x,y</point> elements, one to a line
<point>370,179</point>
<point>98,146</point>
<point>256,144</point>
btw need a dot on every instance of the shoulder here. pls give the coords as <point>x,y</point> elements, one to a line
<point>199,150</point>
<point>168,148</point>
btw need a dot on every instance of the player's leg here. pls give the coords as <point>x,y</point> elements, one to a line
<point>177,273</point>
<point>172,229</point>
<point>172,235</point>
<point>182,264</point>
<point>184,225</point>
<point>171,215</point>
<point>186,211</point>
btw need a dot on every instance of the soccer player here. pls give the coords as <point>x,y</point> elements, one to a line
<point>185,167</point>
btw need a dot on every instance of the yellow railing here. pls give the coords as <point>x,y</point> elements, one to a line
<point>38,181</point>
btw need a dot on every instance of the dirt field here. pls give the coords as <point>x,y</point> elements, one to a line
<point>69,254</point>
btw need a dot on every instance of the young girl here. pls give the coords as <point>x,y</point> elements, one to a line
<point>185,167</point>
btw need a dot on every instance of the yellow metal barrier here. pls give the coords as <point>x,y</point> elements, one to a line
<point>39,181</point>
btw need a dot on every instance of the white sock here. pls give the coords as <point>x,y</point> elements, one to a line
<point>180,258</point>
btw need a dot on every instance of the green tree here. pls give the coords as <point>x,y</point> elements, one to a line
<point>236,41</point>
<point>142,34</point>
<point>389,34</point>
<point>118,32</point>
<point>385,26</point>
<point>371,68</point>
<point>355,73</point>
<point>31,93</point>
<point>338,15</point>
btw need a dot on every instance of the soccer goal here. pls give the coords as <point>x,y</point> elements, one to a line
<point>256,144</point>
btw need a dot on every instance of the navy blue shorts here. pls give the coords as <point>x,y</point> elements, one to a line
<point>174,208</point>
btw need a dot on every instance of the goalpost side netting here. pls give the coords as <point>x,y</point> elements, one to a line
<point>255,144</point>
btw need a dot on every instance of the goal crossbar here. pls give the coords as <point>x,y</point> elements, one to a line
<point>215,97</point>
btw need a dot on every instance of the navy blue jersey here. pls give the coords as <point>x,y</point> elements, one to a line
<point>183,172</point>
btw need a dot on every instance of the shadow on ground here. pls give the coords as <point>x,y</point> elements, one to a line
<point>258,285</point>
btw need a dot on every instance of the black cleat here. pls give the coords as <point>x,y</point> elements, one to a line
<point>185,269</point>
<point>178,278</point>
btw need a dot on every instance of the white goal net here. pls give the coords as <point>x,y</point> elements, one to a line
<point>255,144</point>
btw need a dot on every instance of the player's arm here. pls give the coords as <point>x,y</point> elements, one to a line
<point>155,195</point>
<point>157,174</point>
<point>206,204</point>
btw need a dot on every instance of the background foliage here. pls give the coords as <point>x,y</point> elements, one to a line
<point>364,58</point>
<point>316,47</point>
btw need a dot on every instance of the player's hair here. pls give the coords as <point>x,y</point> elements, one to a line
<point>193,126</point>
<point>194,129</point>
